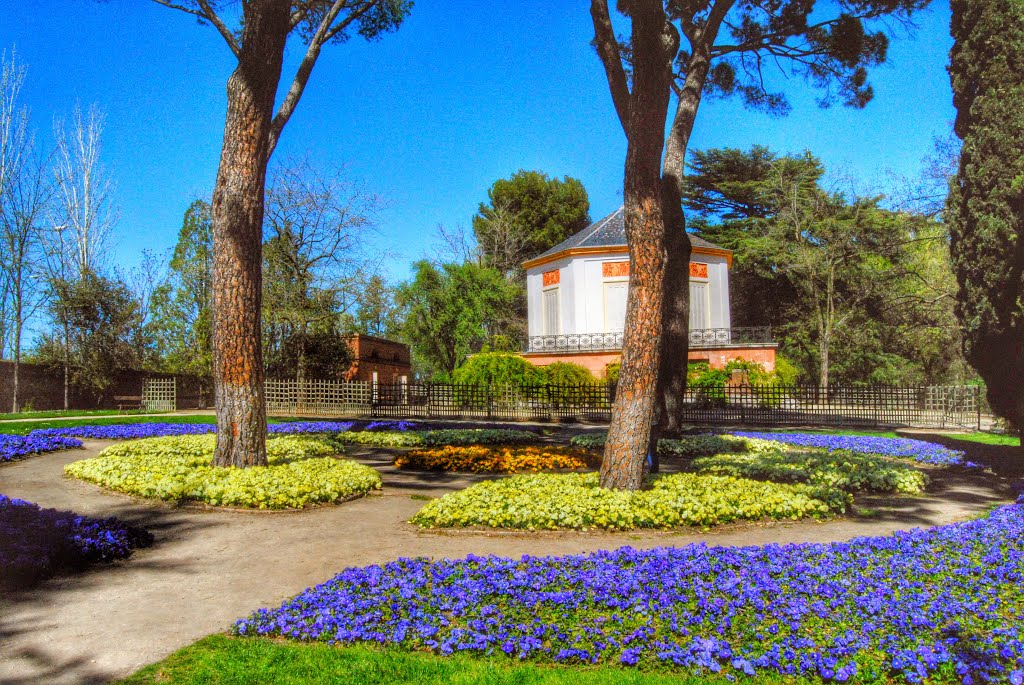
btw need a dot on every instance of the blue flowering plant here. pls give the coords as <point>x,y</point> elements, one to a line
<point>902,448</point>
<point>942,605</point>
<point>14,447</point>
<point>36,543</point>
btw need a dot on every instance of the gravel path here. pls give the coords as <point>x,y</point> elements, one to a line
<point>211,567</point>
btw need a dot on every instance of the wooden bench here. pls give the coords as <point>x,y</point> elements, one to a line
<point>133,401</point>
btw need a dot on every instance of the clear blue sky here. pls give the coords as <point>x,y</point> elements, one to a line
<point>464,93</point>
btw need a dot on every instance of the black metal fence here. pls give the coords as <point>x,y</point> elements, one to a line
<point>774,405</point>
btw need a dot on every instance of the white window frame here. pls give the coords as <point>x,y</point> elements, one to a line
<point>544,293</point>
<point>618,280</point>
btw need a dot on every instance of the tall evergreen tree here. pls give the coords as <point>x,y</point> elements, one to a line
<point>986,200</point>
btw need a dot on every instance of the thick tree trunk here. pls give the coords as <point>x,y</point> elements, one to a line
<point>633,412</point>
<point>237,214</point>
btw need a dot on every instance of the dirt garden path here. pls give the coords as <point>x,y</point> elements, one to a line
<point>209,567</point>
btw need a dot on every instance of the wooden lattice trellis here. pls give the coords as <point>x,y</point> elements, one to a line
<point>159,394</point>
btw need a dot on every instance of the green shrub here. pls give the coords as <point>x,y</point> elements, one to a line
<point>477,436</point>
<point>842,469</point>
<point>381,438</point>
<point>496,369</point>
<point>574,500</point>
<point>301,472</point>
<point>566,373</point>
<point>786,371</point>
<point>611,371</point>
<point>688,447</point>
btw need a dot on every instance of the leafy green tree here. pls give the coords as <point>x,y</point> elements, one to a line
<point>377,315</point>
<point>102,316</point>
<point>257,32</point>
<point>688,49</point>
<point>986,200</point>
<point>453,310</point>
<point>181,304</point>
<point>527,214</point>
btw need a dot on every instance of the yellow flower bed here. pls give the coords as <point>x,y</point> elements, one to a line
<point>574,500</point>
<point>497,459</point>
<point>302,471</point>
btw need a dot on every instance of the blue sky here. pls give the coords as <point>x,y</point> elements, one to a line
<point>464,93</point>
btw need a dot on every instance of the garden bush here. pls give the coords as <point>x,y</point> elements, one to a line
<point>478,436</point>
<point>36,543</point>
<point>301,472</point>
<point>380,438</point>
<point>486,459</point>
<point>689,446</point>
<point>840,468</point>
<point>941,605</point>
<point>497,369</point>
<point>574,500</point>
<point>13,447</point>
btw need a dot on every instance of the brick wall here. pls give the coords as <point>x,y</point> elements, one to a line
<point>389,359</point>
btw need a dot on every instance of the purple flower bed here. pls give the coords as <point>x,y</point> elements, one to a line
<point>943,604</point>
<point>135,431</point>
<point>18,446</point>
<point>35,543</point>
<point>127,431</point>
<point>918,450</point>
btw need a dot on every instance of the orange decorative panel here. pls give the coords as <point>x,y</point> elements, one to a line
<point>615,269</point>
<point>698,270</point>
<point>552,277</point>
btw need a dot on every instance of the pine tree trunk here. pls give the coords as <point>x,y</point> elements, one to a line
<point>676,307</point>
<point>237,214</point>
<point>629,435</point>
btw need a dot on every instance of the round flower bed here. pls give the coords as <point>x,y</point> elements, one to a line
<point>302,472</point>
<point>574,500</point>
<point>840,468</point>
<point>35,543</point>
<point>942,605</point>
<point>481,459</point>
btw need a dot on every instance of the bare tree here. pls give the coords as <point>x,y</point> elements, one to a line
<point>84,209</point>
<point>24,194</point>
<point>317,258</point>
<point>253,126</point>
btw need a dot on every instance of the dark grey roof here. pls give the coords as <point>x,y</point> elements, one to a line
<point>608,232</point>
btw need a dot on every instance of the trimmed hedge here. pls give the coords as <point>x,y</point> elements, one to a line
<point>688,447</point>
<point>302,472</point>
<point>574,500</point>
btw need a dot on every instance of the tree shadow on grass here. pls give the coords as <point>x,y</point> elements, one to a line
<point>1004,460</point>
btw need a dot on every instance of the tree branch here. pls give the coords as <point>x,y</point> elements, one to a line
<point>608,50</point>
<point>207,13</point>
<point>324,33</point>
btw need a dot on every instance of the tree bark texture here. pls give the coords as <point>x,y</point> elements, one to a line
<point>676,307</point>
<point>633,411</point>
<point>237,213</point>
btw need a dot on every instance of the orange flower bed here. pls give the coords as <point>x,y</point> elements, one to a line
<point>497,459</point>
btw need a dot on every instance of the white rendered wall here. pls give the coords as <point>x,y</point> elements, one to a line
<point>581,292</point>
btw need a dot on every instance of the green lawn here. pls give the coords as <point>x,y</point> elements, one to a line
<point>222,660</point>
<point>57,413</point>
<point>986,438</point>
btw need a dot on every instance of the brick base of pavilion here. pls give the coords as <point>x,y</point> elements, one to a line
<point>715,357</point>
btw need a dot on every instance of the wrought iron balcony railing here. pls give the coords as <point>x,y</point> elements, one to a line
<point>611,342</point>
